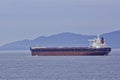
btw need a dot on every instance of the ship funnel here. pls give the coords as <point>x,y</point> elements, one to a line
<point>102,40</point>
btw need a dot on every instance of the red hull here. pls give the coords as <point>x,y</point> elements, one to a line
<point>69,51</point>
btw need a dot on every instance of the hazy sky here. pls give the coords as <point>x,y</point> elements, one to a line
<point>28,19</point>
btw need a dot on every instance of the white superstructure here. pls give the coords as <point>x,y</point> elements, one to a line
<point>97,43</point>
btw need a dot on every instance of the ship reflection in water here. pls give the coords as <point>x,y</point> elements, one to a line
<point>97,47</point>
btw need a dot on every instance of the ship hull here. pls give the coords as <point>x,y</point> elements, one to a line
<point>69,51</point>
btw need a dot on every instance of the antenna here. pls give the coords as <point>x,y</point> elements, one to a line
<point>98,36</point>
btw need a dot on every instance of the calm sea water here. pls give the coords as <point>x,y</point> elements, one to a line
<point>20,65</point>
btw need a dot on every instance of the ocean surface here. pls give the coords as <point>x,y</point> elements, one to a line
<point>20,65</point>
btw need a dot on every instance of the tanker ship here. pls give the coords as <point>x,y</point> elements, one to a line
<point>97,47</point>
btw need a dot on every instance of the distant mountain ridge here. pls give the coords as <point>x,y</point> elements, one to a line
<point>66,39</point>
